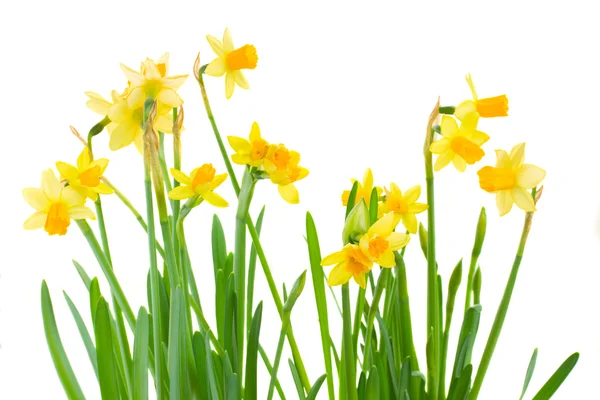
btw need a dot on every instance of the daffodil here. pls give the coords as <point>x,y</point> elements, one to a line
<point>202,181</point>
<point>282,166</point>
<point>461,145</point>
<point>249,152</point>
<point>85,177</point>
<point>511,180</point>
<point>403,206</point>
<point>380,241</point>
<point>496,106</point>
<point>152,82</point>
<point>350,262</point>
<point>363,190</point>
<point>55,205</point>
<point>231,62</point>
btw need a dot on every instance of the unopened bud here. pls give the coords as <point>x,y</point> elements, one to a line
<point>357,223</point>
<point>477,286</point>
<point>480,233</point>
<point>295,293</point>
<point>423,239</point>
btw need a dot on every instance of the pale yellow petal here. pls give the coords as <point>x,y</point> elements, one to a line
<point>174,82</point>
<point>387,259</point>
<point>504,201</point>
<point>416,208</point>
<point>255,132</point>
<point>84,159</point>
<point>229,85</point>
<point>410,222</point>
<point>72,196</point>
<point>151,71</point>
<point>217,181</point>
<point>97,103</point>
<point>164,124</point>
<point>523,199</point>
<point>216,67</point>
<point>443,160</point>
<point>216,45</point>
<point>241,80</point>
<point>119,112</point>
<point>464,108</point>
<point>398,240</point>
<point>529,176</point>
<point>449,127</point>
<point>241,159</point>
<point>136,98</point>
<point>138,141</point>
<point>214,199</point>
<point>368,182</point>
<point>227,41</point>
<point>51,185</point>
<point>517,155</point>
<point>384,226</point>
<point>334,258</point>
<point>239,145</point>
<point>103,188</point>
<point>100,162</point>
<point>339,275</point>
<point>440,146</point>
<point>180,177</point>
<point>412,194</point>
<point>164,59</point>
<point>469,122</point>
<point>170,98</point>
<point>289,193</point>
<point>134,77</point>
<point>81,212</point>
<point>503,159</point>
<point>67,171</point>
<point>360,279</point>
<point>459,163</point>
<point>35,221</point>
<point>36,198</point>
<point>181,192</point>
<point>478,137</point>
<point>123,135</point>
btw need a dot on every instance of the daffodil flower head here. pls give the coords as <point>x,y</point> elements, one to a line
<point>403,206</point>
<point>152,82</point>
<point>231,61</point>
<point>85,177</point>
<point>380,241</point>
<point>459,145</point>
<point>249,152</point>
<point>55,205</point>
<point>350,262</point>
<point>202,182</point>
<point>496,106</point>
<point>511,180</point>
<point>282,166</point>
<point>363,190</point>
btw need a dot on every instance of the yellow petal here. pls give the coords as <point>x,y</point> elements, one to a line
<point>123,135</point>
<point>97,103</point>
<point>255,132</point>
<point>416,208</point>
<point>241,159</point>
<point>240,79</point>
<point>216,67</point>
<point>464,108</point>
<point>398,240</point>
<point>84,159</point>
<point>174,82</point>
<point>383,226</point>
<point>164,60</point>
<point>118,112</point>
<point>35,221</point>
<point>100,162</point>
<point>517,155</point>
<point>339,275</point>
<point>227,41</point>
<point>103,188</point>
<point>51,186</point>
<point>72,196</point>
<point>214,199</point>
<point>180,176</point>
<point>81,212</point>
<point>134,77</point>
<point>440,146</point>
<point>469,122</point>
<point>67,171</point>
<point>529,176</point>
<point>217,180</point>
<point>181,193</point>
<point>239,145</point>
<point>138,141</point>
<point>360,279</point>
<point>136,98</point>
<point>229,85</point>
<point>412,194</point>
<point>216,45</point>
<point>523,199</point>
<point>36,198</point>
<point>449,127</point>
<point>478,137</point>
<point>410,222</point>
<point>504,201</point>
<point>333,258</point>
<point>289,193</point>
<point>170,98</point>
<point>387,259</point>
<point>503,159</point>
<point>368,182</point>
<point>443,160</point>
<point>459,163</point>
<point>151,71</point>
<point>164,124</point>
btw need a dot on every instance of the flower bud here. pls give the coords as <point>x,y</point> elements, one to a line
<point>477,285</point>
<point>357,223</point>
<point>423,239</point>
<point>480,233</point>
<point>294,293</point>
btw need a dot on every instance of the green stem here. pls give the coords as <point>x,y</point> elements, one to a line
<point>277,359</point>
<point>381,283</point>
<point>502,309</point>
<point>176,204</point>
<point>350,363</point>
<point>408,345</point>
<point>267,363</point>
<point>469,293</point>
<point>358,313</point>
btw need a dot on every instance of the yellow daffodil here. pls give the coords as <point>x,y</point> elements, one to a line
<point>231,62</point>
<point>85,178</point>
<point>152,82</point>
<point>251,152</point>
<point>350,262</point>
<point>55,205</point>
<point>282,166</point>
<point>380,241</point>
<point>363,191</point>
<point>461,145</point>
<point>496,106</point>
<point>403,206</point>
<point>510,179</point>
<point>202,181</point>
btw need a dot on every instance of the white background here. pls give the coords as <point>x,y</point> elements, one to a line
<point>349,87</point>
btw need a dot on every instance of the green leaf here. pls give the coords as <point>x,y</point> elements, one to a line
<point>234,391</point>
<point>460,390</point>
<point>250,388</point>
<point>466,340</point>
<point>252,270</point>
<point>107,368</point>
<point>373,206</point>
<point>57,351</point>
<point>552,385</point>
<point>219,247</point>
<point>295,293</point>
<point>372,392</point>
<point>210,371</point>
<point>94,297</point>
<point>83,332</point>
<point>84,276</point>
<point>351,198</point>
<point>140,356</point>
<point>220,295</point>
<point>529,373</point>
<point>229,324</point>
<point>385,337</point>
<point>267,363</point>
<point>178,373</point>
<point>312,395</point>
<point>405,375</point>
<point>297,380</point>
<point>200,359</point>
<point>362,386</point>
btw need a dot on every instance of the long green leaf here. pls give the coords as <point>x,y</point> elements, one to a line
<point>267,363</point>
<point>210,371</point>
<point>219,247</point>
<point>200,359</point>
<point>83,332</point>
<point>466,340</point>
<point>57,351</point>
<point>250,389</point>
<point>372,391</point>
<point>297,380</point>
<point>252,271</point>
<point>107,368</point>
<point>529,373</point>
<point>552,385</point>
<point>178,377</point>
<point>140,356</point>
<point>84,276</point>
<point>351,198</point>
<point>234,390</point>
<point>312,395</point>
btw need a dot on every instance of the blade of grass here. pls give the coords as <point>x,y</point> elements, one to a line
<point>140,356</point>
<point>104,352</point>
<point>83,332</point>
<point>529,373</point>
<point>552,385</point>
<point>250,388</point>
<point>252,271</point>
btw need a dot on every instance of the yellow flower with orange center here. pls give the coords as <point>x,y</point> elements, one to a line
<point>55,205</point>
<point>282,166</point>
<point>459,145</point>
<point>363,190</point>
<point>496,106</point>
<point>350,262</point>
<point>85,177</point>
<point>380,241</point>
<point>249,152</point>
<point>202,182</point>
<point>511,180</point>
<point>403,206</point>
<point>231,61</point>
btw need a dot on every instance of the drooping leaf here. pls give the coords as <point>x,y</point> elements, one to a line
<point>552,385</point>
